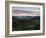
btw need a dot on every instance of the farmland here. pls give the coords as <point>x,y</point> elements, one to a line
<point>25,23</point>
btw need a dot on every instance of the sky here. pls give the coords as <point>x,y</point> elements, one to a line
<point>33,9</point>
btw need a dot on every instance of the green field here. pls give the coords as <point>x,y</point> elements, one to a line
<point>21,23</point>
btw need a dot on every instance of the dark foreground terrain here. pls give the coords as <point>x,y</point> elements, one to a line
<point>20,23</point>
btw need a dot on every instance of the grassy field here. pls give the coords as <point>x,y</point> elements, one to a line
<point>20,23</point>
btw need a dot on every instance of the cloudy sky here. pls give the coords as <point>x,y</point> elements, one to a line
<point>33,9</point>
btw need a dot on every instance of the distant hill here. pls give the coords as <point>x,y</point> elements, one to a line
<point>25,18</point>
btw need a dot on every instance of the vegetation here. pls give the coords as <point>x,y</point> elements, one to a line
<point>25,23</point>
